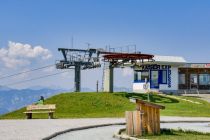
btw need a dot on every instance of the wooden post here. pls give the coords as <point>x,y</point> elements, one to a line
<point>155,120</point>
<point>29,115</point>
<point>144,118</point>
<point>152,119</point>
<point>50,115</point>
<point>149,120</point>
<point>129,123</point>
<point>137,123</point>
<point>133,123</point>
<point>158,121</point>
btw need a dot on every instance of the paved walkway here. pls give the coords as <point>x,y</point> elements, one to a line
<point>168,119</point>
<point>199,127</point>
<point>41,128</point>
<point>38,129</point>
<point>205,97</point>
<point>106,133</point>
<point>101,133</point>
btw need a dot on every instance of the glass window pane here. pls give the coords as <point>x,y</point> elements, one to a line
<point>144,75</point>
<point>154,79</point>
<point>193,79</point>
<point>141,75</point>
<point>164,77</point>
<point>204,79</point>
<point>135,76</point>
<point>181,78</point>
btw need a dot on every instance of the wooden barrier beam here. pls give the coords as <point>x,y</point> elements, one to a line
<point>138,101</point>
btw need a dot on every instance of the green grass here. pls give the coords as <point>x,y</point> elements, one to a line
<point>167,134</point>
<point>176,107</point>
<point>82,105</point>
<point>95,105</point>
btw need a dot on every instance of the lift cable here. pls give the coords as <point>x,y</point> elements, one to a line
<point>27,71</point>
<point>32,79</point>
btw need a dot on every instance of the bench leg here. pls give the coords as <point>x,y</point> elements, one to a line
<point>29,115</point>
<point>50,115</point>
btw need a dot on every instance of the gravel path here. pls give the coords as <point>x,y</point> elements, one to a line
<point>205,97</point>
<point>199,127</point>
<point>106,133</point>
<point>101,133</point>
<point>184,119</point>
<point>41,128</point>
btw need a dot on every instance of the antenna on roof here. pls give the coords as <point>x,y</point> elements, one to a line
<point>88,44</point>
<point>72,42</point>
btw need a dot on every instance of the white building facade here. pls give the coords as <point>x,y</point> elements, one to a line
<point>160,75</point>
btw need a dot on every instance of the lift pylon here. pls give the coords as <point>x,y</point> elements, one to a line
<point>78,59</point>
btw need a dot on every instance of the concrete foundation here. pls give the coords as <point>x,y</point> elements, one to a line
<point>109,79</point>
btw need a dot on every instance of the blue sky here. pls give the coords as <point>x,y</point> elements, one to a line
<point>175,27</point>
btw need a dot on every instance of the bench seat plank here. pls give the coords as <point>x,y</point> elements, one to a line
<point>39,112</point>
<point>38,109</point>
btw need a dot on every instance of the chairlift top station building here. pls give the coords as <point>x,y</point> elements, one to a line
<point>172,74</point>
<point>169,74</point>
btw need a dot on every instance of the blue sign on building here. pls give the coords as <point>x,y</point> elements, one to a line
<point>155,75</point>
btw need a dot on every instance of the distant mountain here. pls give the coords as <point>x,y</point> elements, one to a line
<point>122,89</point>
<point>4,88</point>
<point>12,99</point>
<point>87,90</point>
<point>84,90</point>
<point>3,110</point>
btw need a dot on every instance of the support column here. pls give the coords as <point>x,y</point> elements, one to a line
<point>77,78</point>
<point>109,79</point>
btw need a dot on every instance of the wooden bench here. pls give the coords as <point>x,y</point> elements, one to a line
<point>39,109</point>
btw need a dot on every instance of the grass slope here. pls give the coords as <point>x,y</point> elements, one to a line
<point>91,105</point>
<point>177,107</point>
<point>82,105</point>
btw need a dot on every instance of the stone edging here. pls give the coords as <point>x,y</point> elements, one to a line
<point>79,128</point>
<point>118,134</point>
<point>186,121</point>
<point>124,136</point>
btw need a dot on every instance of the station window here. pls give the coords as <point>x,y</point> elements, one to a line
<point>182,79</point>
<point>163,76</point>
<point>204,79</point>
<point>140,76</point>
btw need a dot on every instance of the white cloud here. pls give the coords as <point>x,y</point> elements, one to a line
<point>18,54</point>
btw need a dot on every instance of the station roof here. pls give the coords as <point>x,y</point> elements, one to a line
<point>127,56</point>
<point>196,65</point>
<point>169,59</point>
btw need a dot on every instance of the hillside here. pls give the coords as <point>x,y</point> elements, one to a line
<point>13,99</point>
<point>81,105</point>
<point>91,105</point>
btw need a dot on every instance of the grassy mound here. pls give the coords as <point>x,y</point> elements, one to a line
<point>81,105</point>
<point>93,105</point>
